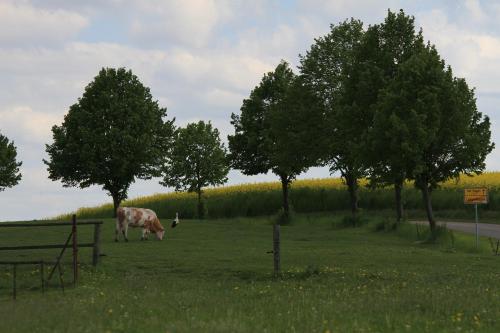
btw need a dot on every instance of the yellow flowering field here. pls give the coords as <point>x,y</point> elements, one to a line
<point>307,195</point>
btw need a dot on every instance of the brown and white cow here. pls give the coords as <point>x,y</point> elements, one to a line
<point>138,217</point>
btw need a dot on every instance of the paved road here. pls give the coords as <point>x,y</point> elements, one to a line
<point>485,229</point>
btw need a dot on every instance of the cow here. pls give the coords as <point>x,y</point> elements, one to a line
<point>138,217</point>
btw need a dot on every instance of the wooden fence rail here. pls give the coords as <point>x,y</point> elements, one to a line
<point>73,235</point>
<point>40,247</point>
<point>45,224</point>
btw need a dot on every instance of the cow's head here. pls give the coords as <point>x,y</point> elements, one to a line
<point>159,234</point>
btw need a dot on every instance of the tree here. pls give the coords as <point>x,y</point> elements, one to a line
<point>198,159</point>
<point>278,130</point>
<point>333,69</point>
<point>114,134</point>
<point>433,117</point>
<point>387,153</point>
<point>9,167</point>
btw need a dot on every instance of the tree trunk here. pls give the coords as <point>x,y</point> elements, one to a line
<point>200,205</point>
<point>276,228</point>
<point>398,187</point>
<point>352,187</point>
<point>116,202</point>
<point>286,205</point>
<point>426,194</point>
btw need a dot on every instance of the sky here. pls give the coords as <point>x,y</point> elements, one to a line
<point>200,58</point>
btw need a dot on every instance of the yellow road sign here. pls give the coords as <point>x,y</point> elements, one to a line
<point>476,196</point>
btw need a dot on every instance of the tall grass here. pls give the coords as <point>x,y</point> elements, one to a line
<point>312,195</point>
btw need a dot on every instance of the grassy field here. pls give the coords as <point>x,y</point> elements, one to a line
<point>313,195</point>
<point>215,276</point>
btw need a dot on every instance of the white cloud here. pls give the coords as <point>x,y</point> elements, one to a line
<point>220,97</point>
<point>187,64</point>
<point>24,25</point>
<point>489,46</point>
<point>27,125</point>
<point>369,11</point>
<point>53,79</point>
<point>189,22</point>
<point>472,55</point>
<point>475,11</point>
<point>281,42</point>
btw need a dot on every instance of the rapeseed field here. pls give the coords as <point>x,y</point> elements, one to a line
<point>306,196</point>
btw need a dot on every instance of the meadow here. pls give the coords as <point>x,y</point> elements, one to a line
<point>312,195</point>
<point>216,276</point>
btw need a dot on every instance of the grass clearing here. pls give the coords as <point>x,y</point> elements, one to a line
<point>215,276</point>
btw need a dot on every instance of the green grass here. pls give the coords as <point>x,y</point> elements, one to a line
<point>215,276</point>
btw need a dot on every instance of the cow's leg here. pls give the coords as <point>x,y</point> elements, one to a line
<point>125,231</point>
<point>144,234</point>
<point>117,230</point>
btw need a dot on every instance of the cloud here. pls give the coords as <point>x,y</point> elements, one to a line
<point>475,11</point>
<point>188,22</point>
<point>274,44</point>
<point>27,125</point>
<point>489,46</point>
<point>219,97</point>
<point>50,80</point>
<point>331,12</point>
<point>24,25</point>
<point>472,55</point>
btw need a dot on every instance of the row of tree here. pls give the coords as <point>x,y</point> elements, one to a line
<point>377,103</point>
<point>116,133</point>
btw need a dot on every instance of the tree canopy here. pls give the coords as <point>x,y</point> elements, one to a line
<point>335,71</point>
<point>114,134</point>
<point>9,167</point>
<point>198,159</point>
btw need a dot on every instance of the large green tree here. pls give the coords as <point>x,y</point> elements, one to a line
<point>198,159</point>
<point>113,135</point>
<point>9,167</point>
<point>278,129</point>
<point>433,117</point>
<point>393,42</point>
<point>336,70</point>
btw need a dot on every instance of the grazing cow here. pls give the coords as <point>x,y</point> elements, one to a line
<point>138,217</point>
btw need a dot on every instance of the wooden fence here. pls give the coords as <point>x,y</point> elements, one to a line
<point>72,238</point>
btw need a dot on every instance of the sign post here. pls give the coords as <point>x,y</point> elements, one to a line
<point>475,196</point>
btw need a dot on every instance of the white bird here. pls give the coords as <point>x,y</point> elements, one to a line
<point>175,222</point>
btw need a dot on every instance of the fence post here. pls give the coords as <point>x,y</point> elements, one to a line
<point>75,250</point>
<point>97,244</point>
<point>14,292</point>
<point>276,249</point>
